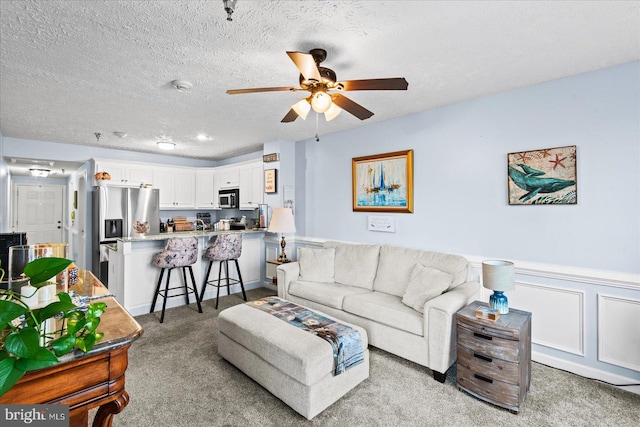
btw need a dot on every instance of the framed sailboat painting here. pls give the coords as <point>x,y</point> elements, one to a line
<point>383,182</point>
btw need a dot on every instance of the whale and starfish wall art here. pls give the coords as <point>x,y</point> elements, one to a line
<point>543,177</point>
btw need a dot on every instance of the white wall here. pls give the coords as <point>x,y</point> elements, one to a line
<point>577,266</point>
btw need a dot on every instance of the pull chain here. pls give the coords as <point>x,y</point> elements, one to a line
<point>317,137</point>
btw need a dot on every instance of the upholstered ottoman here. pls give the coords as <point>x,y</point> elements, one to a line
<point>293,364</point>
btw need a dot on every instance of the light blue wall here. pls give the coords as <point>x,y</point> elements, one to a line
<point>460,174</point>
<point>4,190</point>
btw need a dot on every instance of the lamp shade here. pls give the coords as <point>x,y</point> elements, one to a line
<point>282,221</point>
<point>498,275</point>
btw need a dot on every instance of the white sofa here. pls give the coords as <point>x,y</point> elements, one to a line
<point>406,299</point>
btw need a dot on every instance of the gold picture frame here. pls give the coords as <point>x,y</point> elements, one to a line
<point>383,182</point>
<point>271,180</point>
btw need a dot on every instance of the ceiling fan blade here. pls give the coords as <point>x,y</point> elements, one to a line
<point>351,106</point>
<point>262,89</point>
<point>290,116</point>
<point>306,64</point>
<point>398,83</point>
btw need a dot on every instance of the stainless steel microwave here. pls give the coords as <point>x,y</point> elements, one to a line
<point>229,199</point>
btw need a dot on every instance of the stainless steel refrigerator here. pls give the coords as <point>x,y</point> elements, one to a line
<point>120,212</point>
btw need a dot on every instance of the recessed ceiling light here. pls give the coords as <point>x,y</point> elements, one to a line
<point>120,134</point>
<point>203,137</point>
<point>166,145</point>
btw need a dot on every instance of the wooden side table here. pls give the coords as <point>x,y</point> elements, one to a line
<point>271,270</point>
<point>494,357</point>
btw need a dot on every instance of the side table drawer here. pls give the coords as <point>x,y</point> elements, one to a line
<point>494,391</point>
<point>488,345</point>
<point>490,367</point>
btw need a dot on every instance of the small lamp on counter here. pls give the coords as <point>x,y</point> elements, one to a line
<point>499,277</point>
<point>282,222</point>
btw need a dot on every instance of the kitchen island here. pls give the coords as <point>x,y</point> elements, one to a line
<point>133,280</point>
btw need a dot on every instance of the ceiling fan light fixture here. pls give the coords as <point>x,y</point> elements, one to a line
<point>321,102</point>
<point>302,108</point>
<point>332,112</point>
<point>39,172</point>
<point>166,145</point>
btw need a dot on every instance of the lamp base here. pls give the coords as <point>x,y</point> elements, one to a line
<point>498,301</point>
<point>283,257</point>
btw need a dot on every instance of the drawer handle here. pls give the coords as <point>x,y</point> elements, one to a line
<point>485,358</point>
<point>480,377</point>
<point>483,336</point>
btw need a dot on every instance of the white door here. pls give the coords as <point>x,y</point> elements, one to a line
<point>39,213</point>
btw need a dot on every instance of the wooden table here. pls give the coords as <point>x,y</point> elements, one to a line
<point>494,357</point>
<point>86,381</point>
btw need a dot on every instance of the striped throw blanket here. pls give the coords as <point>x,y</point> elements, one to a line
<point>345,340</point>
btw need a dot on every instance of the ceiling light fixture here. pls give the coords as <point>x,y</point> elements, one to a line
<point>166,145</point>
<point>182,85</point>
<point>120,134</point>
<point>229,6</point>
<point>203,137</point>
<point>321,102</point>
<point>39,172</point>
<point>302,108</point>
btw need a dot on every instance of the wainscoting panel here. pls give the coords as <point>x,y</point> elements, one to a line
<point>551,307</point>
<point>619,331</point>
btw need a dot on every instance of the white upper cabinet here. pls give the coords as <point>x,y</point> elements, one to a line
<point>229,177</point>
<point>251,186</point>
<point>206,191</point>
<point>177,187</point>
<point>125,174</point>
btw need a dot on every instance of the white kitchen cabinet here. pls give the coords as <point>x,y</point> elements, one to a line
<point>229,177</point>
<point>251,186</point>
<point>177,187</point>
<point>206,192</point>
<point>125,174</point>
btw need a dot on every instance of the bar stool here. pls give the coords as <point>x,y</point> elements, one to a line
<point>177,253</point>
<point>227,247</point>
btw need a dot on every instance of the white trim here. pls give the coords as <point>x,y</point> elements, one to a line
<point>602,338</point>
<point>582,370</point>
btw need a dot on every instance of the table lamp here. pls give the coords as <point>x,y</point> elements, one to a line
<point>282,222</point>
<point>499,277</point>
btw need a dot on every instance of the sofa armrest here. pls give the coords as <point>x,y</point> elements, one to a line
<point>286,274</point>
<point>440,323</point>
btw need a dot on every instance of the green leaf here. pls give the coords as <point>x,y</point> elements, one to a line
<point>44,358</point>
<point>96,309</point>
<point>63,345</point>
<point>42,269</point>
<point>9,374</point>
<point>81,345</point>
<point>64,297</point>
<point>10,310</point>
<point>75,323</point>
<point>99,336</point>
<point>53,309</point>
<point>92,324</point>
<point>25,343</point>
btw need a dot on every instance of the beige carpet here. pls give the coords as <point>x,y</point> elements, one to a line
<point>177,378</point>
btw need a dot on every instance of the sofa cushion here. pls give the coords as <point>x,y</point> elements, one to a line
<point>316,265</point>
<point>425,283</point>
<point>330,294</point>
<point>355,265</point>
<point>385,309</point>
<point>396,266</point>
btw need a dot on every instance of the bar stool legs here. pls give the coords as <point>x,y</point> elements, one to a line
<point>218,282</point>
<point>165,293</point>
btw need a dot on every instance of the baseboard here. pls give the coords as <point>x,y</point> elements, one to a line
<point>582,370</point>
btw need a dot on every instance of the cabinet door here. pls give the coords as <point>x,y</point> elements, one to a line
<point>139,174</point>
<point>117,172</point>
<point>204,189</point>
<point>246,188</point>
<point>250,260</point>
<point>229,177</point>
<point>184,191</point>
<point>257,177</point>
<point>163,181</point>
<point>216,188</point>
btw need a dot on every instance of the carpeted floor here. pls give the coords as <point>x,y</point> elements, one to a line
<point>176,378</point>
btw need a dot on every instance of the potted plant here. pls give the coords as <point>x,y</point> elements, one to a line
<point>23,346</point>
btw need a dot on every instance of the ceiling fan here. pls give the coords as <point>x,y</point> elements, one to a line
<point>320,81</point>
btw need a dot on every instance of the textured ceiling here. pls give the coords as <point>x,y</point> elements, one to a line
<point>72,68</point>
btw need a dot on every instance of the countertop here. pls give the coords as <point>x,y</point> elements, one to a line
<point>165,236</point>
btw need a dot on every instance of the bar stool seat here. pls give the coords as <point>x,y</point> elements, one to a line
<point>227,247</point>
<point>178,253</point>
